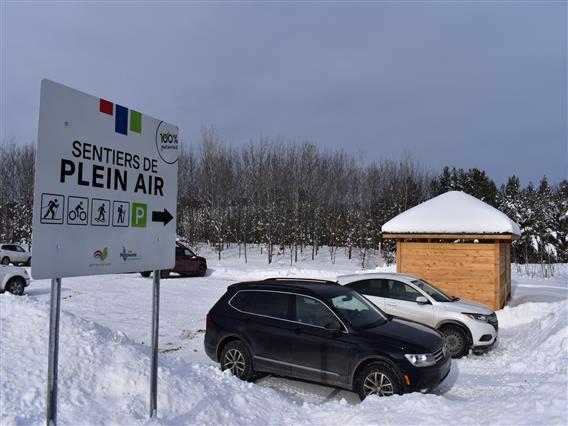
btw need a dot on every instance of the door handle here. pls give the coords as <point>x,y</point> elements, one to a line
<point>392,304</point>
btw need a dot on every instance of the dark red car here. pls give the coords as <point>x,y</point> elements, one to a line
<point>187,264</point>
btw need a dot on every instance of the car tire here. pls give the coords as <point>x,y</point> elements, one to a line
<point>379,379</point>
<point>236,357</point>
<point>456,341</point>
<point>202,270</point>
<point>5,260</point>
<point>145,274</point>
<point>16,286</point>
<point>164,273</point>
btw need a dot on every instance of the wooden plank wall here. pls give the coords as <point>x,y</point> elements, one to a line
<point>467,270</point>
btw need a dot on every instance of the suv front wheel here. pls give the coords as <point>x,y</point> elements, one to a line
<point>236,357</point>
<point>455,340</point>
<point>16,286</point>
<point>378,379</point>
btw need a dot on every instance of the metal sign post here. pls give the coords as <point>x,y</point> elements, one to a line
<point>54,307</point>
<point>155,327</point>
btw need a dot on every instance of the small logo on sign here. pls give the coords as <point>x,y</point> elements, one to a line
<point>101,255</point>
<point>127,255</point>
<point>167,142</point>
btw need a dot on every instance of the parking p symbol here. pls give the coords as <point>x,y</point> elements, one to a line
<point>139,215</point>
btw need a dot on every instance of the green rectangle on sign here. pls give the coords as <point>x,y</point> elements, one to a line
<point>139,215</point>
<point>135,121</point>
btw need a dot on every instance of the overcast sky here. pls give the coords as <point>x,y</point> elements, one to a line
<point>467,84</point>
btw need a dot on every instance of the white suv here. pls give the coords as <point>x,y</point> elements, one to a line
<point>13,279</point>
<point>465,324</point>
<point>13,253</point>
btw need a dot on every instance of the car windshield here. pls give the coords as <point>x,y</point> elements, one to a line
<point>435,293</point>
<point>358,311</point>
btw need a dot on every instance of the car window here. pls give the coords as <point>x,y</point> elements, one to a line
<point>18,248</point>
<point>368,287</point>
<point>435,293</point>
<point>268,303</point>
<point>241,300</point>
<point>313,312</point>
<point>401,291</point>
<point>188,252</point>
<point>5,247</point>
<point>357,310</point>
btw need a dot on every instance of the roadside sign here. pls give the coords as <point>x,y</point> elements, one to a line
<point>105,187</point>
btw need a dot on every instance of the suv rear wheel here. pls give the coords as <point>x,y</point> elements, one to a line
<point>236,357</point>
<point>378,379</point>
<point>455,340</point>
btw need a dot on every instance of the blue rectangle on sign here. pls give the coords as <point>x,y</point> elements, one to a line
<point>121,123</point>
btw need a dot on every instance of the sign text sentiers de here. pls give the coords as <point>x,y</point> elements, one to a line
<point>105,187</point>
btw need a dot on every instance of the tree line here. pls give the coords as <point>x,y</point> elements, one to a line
<point>292,197</point>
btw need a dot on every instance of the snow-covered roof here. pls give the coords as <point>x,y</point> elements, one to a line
<point>454,212</point>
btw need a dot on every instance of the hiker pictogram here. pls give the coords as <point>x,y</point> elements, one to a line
<point>120,213</point>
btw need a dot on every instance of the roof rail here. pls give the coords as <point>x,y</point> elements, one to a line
<point>299,279</point>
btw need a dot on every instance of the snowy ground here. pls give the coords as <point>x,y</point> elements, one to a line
<point>105,358</point>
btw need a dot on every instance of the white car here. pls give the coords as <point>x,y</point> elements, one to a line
<point>465,324</point>
<point>15,254</point>
<point>13,279</point>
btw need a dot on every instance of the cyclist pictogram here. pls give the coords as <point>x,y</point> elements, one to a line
<point>52,206</point>
<point>77,211</point>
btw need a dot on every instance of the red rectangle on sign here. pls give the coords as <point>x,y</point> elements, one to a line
<point>106,107</point>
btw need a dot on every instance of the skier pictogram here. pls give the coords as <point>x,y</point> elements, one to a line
<point>52,206</point>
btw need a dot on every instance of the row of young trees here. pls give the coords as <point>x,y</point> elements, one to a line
<point>288,196</point>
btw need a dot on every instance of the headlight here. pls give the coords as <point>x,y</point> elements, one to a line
<point>421,360</point>
<point>478,317</point>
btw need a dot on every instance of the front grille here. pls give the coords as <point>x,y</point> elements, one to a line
<point>439,354</point>
<point>492,319</point>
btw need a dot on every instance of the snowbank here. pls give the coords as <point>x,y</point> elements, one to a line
<point>454,212</point>
<point>104,379</point>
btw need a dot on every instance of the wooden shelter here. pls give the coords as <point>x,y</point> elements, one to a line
<point>460,244</point>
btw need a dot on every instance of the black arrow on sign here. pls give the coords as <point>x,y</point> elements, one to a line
<point>164,216</point>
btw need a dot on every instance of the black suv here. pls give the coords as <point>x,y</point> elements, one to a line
<point>322,332</point>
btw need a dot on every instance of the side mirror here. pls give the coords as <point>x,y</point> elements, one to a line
<point>334,326</point>
<point>421,300</point>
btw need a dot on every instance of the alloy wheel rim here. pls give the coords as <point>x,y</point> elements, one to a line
<point>378,384</point>
<point>452,342</point>
<point>235,361</point>
<point>17,287</point>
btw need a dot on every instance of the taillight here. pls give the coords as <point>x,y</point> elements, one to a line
<point>208,320</point>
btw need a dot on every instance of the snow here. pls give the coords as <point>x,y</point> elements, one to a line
<point>105,358</point>
<point>453,212</point>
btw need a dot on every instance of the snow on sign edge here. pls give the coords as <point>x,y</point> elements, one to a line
<point>453,212</point>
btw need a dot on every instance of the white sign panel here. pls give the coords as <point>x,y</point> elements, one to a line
<point>105,187</point>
